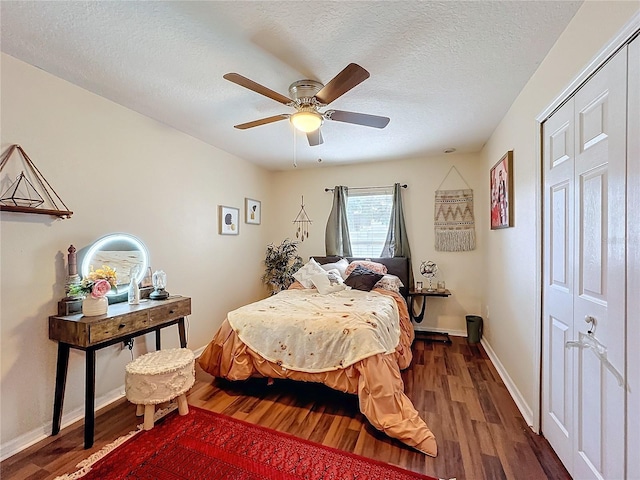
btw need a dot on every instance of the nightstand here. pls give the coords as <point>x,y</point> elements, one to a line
<point>424,294</point>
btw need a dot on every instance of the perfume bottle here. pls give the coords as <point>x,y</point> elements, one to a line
<point>134,290</point>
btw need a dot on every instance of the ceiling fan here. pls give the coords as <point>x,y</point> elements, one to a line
<point>308,97</point>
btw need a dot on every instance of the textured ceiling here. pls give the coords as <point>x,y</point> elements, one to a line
<point>444,72</point>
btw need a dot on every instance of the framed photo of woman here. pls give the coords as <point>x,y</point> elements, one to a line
<point>501,181</point>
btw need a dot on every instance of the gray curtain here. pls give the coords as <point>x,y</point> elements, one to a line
<point>336,236</point>
<point>397,243</point>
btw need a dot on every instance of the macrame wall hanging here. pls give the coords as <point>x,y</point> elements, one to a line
<point>302,222</point>
<point>453,222</point>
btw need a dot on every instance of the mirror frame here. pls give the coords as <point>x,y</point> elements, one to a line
<point>119,237</point>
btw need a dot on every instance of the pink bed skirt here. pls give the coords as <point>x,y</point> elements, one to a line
<point>376,380</point>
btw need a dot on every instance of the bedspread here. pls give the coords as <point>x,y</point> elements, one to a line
<point>376,379</point>
<point>304,331</point>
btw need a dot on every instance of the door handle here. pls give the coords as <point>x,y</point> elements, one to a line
<point>593,322</point>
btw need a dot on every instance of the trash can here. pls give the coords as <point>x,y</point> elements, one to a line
<point>474,328</point>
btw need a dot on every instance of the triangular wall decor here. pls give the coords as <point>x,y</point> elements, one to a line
<point>23,197</point>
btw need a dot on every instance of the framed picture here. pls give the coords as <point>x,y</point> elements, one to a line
<point>501,178</point>
<point>228,219</point>
<point>252,211</point>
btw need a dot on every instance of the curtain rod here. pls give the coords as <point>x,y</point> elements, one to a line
<point>367,188</point>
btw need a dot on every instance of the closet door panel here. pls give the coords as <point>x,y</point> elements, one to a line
<point>633,263</point>
<point>600,203</point>
<point>558,277</point>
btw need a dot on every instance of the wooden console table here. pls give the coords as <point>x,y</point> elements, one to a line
<point>427,335</point>
<point>121,323</point>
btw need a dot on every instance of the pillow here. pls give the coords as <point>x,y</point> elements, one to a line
<point>306,272</point>
<point>335,276</point>
<point>389,282</point>
<point>341,265</point>
<point>369,265</point>
<point>362,278</point>
<point>328,282</point>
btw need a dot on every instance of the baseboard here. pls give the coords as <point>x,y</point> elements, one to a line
<point>18,444</point>
<point>453,333</point>
<point>198,352</point>
<point>525,410</point>
<point>34,436</point>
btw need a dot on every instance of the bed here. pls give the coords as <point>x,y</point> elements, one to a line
<point>375,378</point>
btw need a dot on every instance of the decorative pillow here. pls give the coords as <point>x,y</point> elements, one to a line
<point>362,278</point>
<point>341,265</point>
<point>328,282</point>
<point>369,265</point>
<point>306,272</point>
<point>389,282</point>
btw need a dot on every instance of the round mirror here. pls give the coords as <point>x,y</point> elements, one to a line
<point>121,252</point>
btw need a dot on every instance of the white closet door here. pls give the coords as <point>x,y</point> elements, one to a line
<point>600,196</point>
<point>584,275</point>
<point>559,165</point>
<point>633,264</point>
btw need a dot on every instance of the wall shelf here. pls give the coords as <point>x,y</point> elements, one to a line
<point>39,211</point>
<point>23,197</point>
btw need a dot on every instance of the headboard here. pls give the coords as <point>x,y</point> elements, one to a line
<point>398,266</point>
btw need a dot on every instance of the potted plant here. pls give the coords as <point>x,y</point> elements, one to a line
<point>281,262</point>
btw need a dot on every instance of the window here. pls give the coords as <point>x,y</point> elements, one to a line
<point>368,215</point>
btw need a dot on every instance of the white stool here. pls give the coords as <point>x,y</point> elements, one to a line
<point>159,377</point>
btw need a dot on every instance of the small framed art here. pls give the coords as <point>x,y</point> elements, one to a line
<point>252,211</point>
<point>228,220</point>
<point>501,181</point>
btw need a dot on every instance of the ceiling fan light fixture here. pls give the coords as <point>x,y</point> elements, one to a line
<point>306,121</point>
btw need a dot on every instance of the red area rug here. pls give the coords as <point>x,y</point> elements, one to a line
<point>207,445</point>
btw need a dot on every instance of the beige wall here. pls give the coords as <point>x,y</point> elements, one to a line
<point>512,260</point>
<point>118,171</point>
<point>460,270</point>
<point>87,146</point>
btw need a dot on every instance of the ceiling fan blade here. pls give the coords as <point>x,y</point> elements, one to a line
<point>256,87</point>
<point>262,121</point>
<point>357,118</point>
<point>315,138</point>
<point>348,78</point>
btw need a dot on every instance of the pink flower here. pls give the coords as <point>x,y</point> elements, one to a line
<point>100,288</point>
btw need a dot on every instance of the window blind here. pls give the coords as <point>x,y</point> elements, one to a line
<point>368,215</point>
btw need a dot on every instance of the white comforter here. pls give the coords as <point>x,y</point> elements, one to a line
<point>308,332</point>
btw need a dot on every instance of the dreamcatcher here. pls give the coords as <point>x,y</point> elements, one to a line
<point>302,222</point>
<point>429,270</point>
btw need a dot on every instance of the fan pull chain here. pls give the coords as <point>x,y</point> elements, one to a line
<point>295,150</point>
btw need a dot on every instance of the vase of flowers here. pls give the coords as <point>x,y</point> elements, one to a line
<point>92,307</point>
<point>94,288</point>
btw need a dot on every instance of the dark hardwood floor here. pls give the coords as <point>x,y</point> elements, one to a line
<point>480,433</point>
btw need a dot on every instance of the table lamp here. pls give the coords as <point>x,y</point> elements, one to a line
<point>159,279</point>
